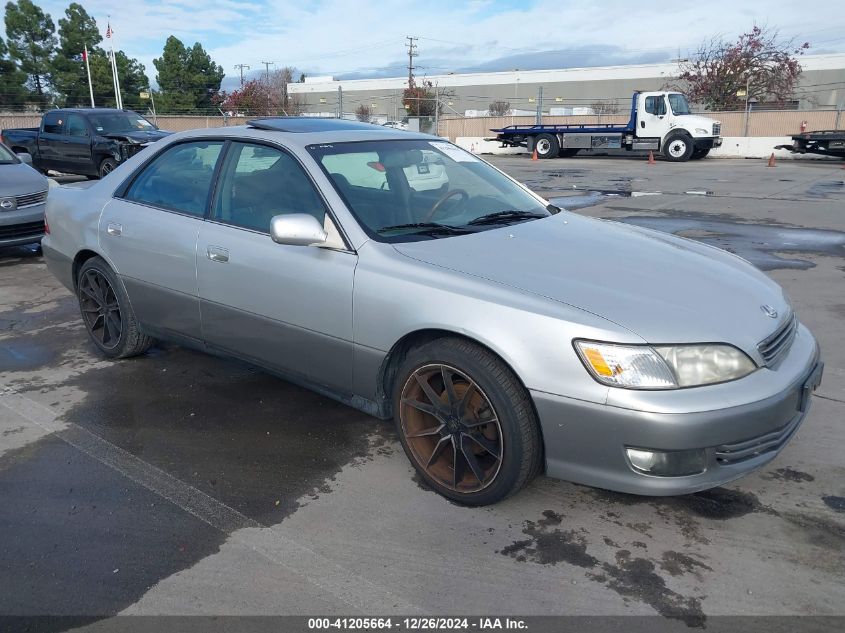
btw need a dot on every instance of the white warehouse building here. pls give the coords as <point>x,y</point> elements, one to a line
<point>822,85</point>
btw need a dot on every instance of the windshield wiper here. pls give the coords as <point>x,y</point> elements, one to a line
<point>505,217</point>
<point>428,228</point>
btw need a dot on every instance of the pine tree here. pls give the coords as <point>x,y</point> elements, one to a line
<point>32,42</point>
<point>188,77</point>
<point>13,92</point>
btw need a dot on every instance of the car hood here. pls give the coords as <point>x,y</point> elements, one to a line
<point>140,136</point>
<point>19,180</point>
<point>694,121</point>
<point>663,288</point>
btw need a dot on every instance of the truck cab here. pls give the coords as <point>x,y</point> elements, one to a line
<point>660,121</point>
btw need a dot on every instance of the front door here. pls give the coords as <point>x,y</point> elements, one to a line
<point>285,307</point>
<point>149,234</point>
<point>653,116</point>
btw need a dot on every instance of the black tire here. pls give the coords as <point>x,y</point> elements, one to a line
<point>678,147</point>
<point>519,441</point>
<point>100,320</point>
<point>107,166</point>
<point>567,153</point>
<point>546,146</point>
<point>698,154</point>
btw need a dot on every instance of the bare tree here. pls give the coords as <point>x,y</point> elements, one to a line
<point>499,108</point>
<point>759,62</point>
<point>363,113</point>
<point>605,106</point>
<point>278,86</point>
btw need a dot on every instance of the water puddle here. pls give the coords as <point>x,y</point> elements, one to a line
<point>761,244</point>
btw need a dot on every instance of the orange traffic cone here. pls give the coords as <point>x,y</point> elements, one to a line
<point>534,154</point>
<point>651,158</point>
<point>772,160</point>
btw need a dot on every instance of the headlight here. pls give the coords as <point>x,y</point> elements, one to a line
<point>663,367</point>
<point>702,131</point>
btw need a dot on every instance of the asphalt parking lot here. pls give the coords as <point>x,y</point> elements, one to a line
<point>180,483</point>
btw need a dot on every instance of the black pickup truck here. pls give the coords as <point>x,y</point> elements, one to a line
<point>86,141</point>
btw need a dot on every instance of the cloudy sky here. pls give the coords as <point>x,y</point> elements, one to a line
<point>348,38</point>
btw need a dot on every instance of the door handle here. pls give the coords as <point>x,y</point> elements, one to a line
<point>217,254</point>
<point>115,230</point>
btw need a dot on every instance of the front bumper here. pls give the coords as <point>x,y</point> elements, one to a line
<point>586,442</point>
<point>708,142</point>
<point>22,226</point>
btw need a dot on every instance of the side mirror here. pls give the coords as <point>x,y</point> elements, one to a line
<point>297,229</point>
<point>25,158</point>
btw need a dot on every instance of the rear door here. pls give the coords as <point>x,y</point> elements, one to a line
<point>286,307</point>
<point>50,139</point>
<point>149,234</point>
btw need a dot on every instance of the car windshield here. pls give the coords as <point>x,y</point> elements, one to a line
<point>679,104</point>
<point>410,190</point>
<point>120,122</point>
<point>6,156</point>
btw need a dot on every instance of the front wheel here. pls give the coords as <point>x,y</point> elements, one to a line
<point>107,313</point>
<point>466,423</point>
<point>678,147</point>
<point>107,166</point>
<point>698,154</point>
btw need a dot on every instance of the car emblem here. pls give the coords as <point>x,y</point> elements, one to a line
<point>769,311</point>
<point>6,204</point>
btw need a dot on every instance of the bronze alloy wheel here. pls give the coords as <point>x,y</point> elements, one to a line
<point>451,428</point>
<point>100,308</point>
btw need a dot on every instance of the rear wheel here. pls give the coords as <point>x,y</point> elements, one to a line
<point>465,422</point>
<point>546,146</point>
<point>107,313</point>
<point>678,147</point>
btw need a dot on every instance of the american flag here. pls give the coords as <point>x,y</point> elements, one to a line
<point>109,31</point>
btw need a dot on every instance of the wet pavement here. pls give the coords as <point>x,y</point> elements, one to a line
<point>182,483</point>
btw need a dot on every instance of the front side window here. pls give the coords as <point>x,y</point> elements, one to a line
<point>53,123</point>
<point>76,126</point>
<point>418,189</point>
<point>258,182</point>
<point>179,179</point>
<point>679,104</point>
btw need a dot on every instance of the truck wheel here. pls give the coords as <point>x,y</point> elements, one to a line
<point>466,423</point>
<point>107,166</point>
<point>546,146</point>
<point>678,147</point>
<point>698,154</point>
<point>567,153</point>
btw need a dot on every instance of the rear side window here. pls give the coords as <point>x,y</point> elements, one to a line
<point>76,126</point>
<point>179,179</point>
<point>53,122</point>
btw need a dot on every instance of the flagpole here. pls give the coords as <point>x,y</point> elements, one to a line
<point>115,78</point>
<point>88,70</point>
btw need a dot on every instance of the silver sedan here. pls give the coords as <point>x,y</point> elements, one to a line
<point>412,280</point>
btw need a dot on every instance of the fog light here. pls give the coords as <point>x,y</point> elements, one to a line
<point>667,463</point>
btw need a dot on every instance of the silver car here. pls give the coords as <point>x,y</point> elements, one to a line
<point>504,336</point>
<point>23,193</point>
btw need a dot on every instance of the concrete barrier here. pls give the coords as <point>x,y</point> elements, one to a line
<point>732,147</point>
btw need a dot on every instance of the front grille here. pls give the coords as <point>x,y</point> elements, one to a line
<point>717,129</point>
<point>15,231</point>
<point>31,199</point>
<point>773,348</point>
<point>747,449</point>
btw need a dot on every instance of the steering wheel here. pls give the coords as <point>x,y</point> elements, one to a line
<point>449,194</point>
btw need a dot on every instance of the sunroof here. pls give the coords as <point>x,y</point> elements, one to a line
<point>309,124</point>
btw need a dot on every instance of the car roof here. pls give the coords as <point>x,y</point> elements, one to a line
<point>302,131</point>
<point>90,110</point>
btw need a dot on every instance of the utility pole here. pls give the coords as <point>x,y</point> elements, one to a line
<point>412,52</point>
<point>340,102</point>
<point>241,68</point>
<point>267,71</point>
